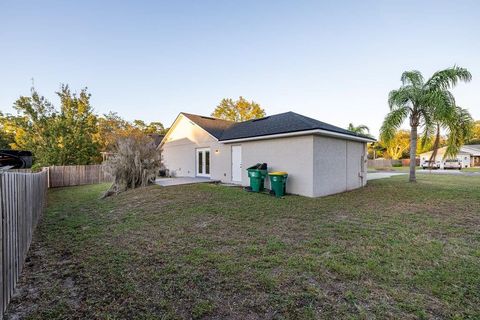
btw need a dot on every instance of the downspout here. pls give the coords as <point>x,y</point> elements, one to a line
<point>362,166</point>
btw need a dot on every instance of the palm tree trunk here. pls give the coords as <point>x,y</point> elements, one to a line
<point>413,153</point>
<point>436,144</point>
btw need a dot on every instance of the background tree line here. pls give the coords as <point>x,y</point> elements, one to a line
<point>398,147</point>
<point>71,134</point>
<point>74,134</point>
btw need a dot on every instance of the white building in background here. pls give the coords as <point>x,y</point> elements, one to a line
<point>469,156</point>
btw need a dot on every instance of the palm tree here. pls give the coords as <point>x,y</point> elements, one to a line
<point>457,122</point>
<point>360,129</point>
<point>423,103</point>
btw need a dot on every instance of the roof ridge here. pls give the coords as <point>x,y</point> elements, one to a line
<point>313,121</point>
<point>304,119</point>
<point>205,117</point>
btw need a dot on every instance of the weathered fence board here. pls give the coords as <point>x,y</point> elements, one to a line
<point>21,170</point>
<point>379,163</point>
<point>66,176</point>
<point>22,201</point>
<point>384,163</point>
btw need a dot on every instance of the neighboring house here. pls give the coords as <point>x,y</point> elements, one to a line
<point>469,156</point>
<point>320,159</point>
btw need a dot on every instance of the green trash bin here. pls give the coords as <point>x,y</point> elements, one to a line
<point>257,176</point>
<point>278,182</point>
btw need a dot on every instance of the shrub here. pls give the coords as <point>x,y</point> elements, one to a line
<point>135,163</point>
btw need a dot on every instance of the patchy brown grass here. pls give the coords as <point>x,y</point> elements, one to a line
<point>390,250</point>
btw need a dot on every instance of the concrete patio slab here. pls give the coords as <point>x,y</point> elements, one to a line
<point>165,182</point>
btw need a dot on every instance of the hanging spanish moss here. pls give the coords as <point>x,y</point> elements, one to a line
<point>135,164</point>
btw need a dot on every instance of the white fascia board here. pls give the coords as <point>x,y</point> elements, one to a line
<point>302,133</point>
<point>471,151</point>
<point>172,127</point>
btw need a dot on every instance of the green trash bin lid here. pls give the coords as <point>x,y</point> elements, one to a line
<point>278,173</point>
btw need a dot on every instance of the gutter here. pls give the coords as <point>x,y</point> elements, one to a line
<point>301,133</point>
<point>470,151</point>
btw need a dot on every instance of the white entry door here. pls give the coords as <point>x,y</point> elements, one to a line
<point>237,163</point>
<point>203,162</point>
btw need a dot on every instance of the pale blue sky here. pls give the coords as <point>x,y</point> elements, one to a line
<point>335,61</point>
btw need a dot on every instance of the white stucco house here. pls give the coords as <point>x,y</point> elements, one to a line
<point>468,156</point>
<point>320,159</point>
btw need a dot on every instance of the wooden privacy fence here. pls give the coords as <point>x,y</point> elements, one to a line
<point>22,201</point>
<point>387,163</point>
<point>406,162</point>
<point>379,163</point>
<point>66,176</point>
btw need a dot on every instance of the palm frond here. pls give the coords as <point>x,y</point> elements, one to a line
<point>402,97</point>
<point>440,104</point>
<point>460,125</point>
<point>429,128</point>
<point>448,78</point>
<point>412,78</point>
<point>363,128</point>
<point>392,122</point>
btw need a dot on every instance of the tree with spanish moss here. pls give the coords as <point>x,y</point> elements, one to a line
<point>427,104</point>
<point>135,163</point>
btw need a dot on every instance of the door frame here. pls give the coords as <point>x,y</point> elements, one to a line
<point>203,151</point>
<point>231,163</point>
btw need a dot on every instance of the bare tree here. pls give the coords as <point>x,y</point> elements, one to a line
<point>135,164</point>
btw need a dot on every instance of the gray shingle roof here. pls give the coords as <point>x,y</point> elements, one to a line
<point>276,124</point>
<point>214,126</point>
<point>473,149</point>
<point>473,146</point>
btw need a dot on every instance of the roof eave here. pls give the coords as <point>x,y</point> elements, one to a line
<point>302,133</point>
<point>473,151</point>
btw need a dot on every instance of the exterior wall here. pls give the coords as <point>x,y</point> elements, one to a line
<point>179,151</point>
<point>465,159</point>
<point>316,165</point>
<point>338,165</point>
<point>293,155</point>
<point>356,164</point>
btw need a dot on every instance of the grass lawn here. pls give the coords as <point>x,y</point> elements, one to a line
<point>390,250</point>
